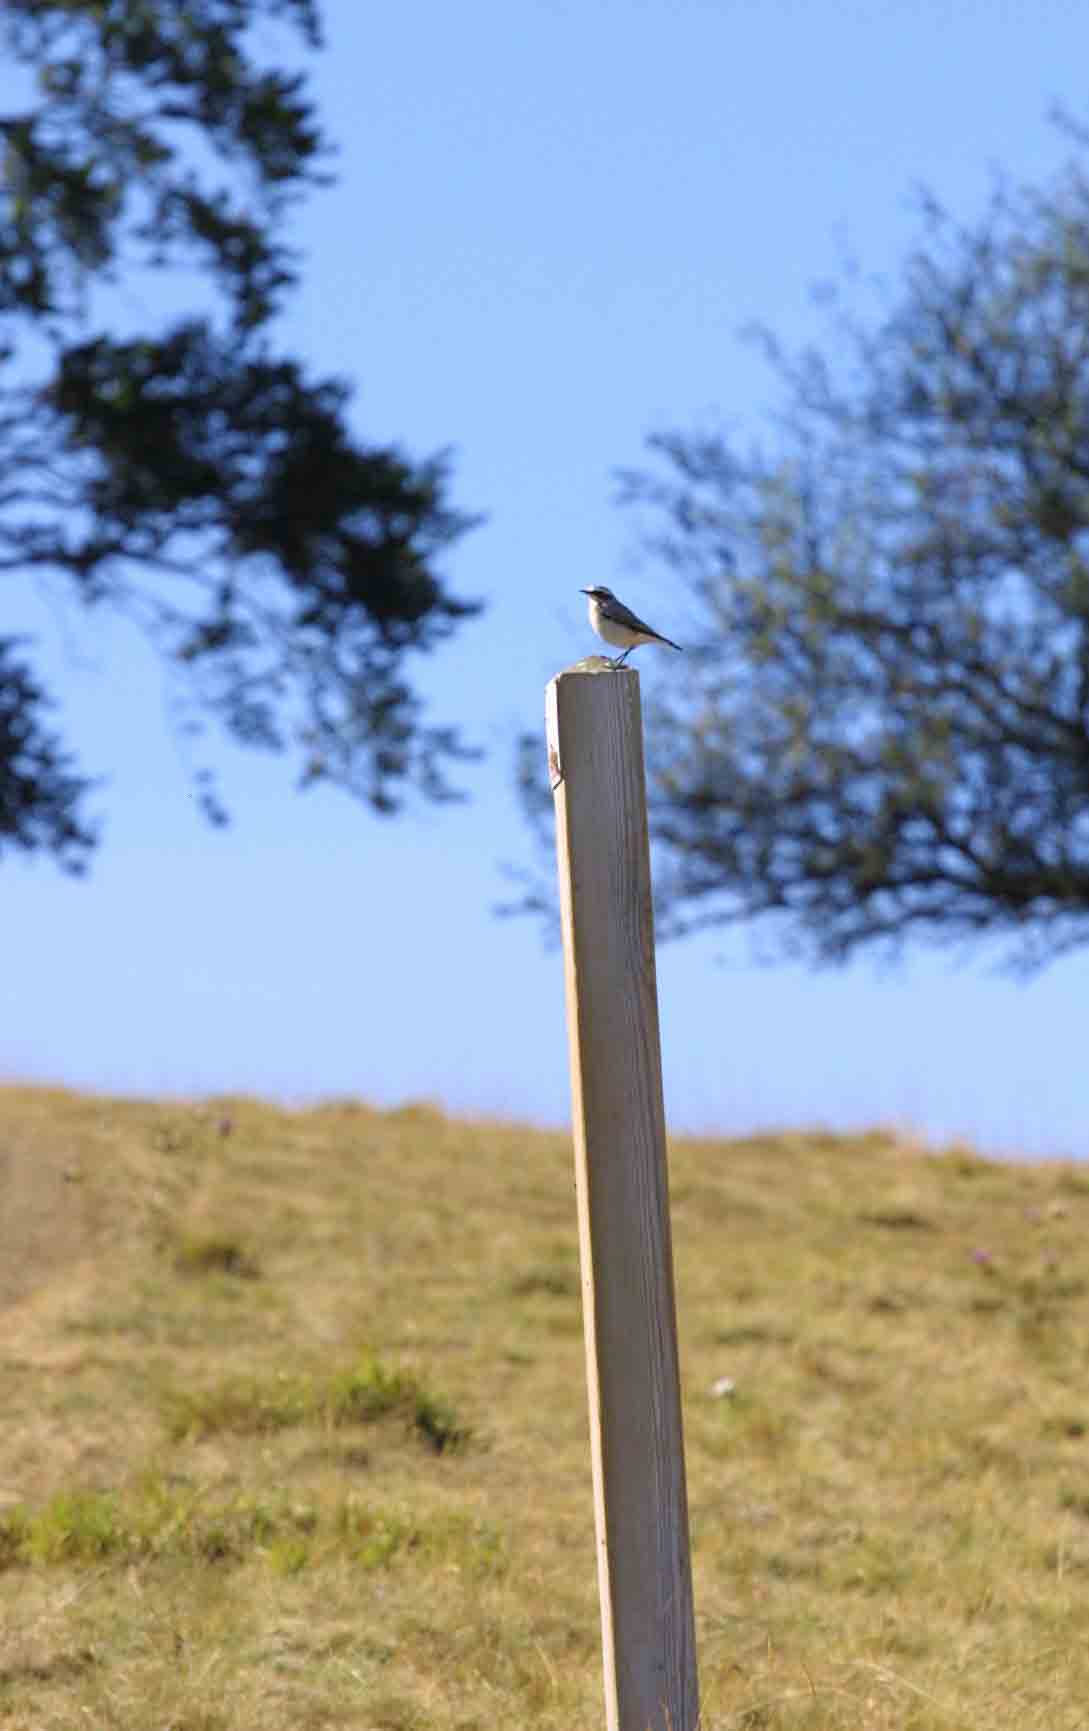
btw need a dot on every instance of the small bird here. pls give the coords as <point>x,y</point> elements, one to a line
<point>618,625</point>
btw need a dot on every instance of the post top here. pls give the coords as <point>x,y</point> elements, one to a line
<point>592,664</point>
<point>602,700</point>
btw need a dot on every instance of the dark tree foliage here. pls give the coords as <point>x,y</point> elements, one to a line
<point>187,474</point>
<point>884,731</point>
<point>39,791</point>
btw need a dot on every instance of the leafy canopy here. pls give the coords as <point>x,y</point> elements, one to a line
<point>187,474</point>
<point>885,732</point>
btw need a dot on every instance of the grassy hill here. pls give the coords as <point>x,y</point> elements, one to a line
<point>292,1426</point>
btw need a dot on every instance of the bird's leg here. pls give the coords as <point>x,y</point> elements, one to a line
<point>620,659</point>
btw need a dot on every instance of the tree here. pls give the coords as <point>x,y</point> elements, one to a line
<point>187,474</point>
<point>884,730</point>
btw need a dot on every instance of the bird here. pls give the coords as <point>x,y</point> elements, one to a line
<point>618,625</point>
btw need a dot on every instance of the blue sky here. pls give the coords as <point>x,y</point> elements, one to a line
<point>552,222</point>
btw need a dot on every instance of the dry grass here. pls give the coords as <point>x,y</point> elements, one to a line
<point>294,1434</point>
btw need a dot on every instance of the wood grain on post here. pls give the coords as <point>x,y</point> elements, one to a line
<point>595,752</point>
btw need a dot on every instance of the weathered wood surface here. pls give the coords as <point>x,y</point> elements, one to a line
<point>595,745</point>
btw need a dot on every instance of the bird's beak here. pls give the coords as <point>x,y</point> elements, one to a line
<point>584,591</point>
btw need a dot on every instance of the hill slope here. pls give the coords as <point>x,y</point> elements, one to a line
<point>294,1426</point>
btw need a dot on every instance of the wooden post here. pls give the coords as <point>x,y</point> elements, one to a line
<point>595,755</point>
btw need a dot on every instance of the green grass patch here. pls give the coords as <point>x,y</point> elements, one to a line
<point>72,1527</point>
<point>359,1395</point>
<point>216,1253</point>
<point>155,1522</point>
<point>377,1537</point>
